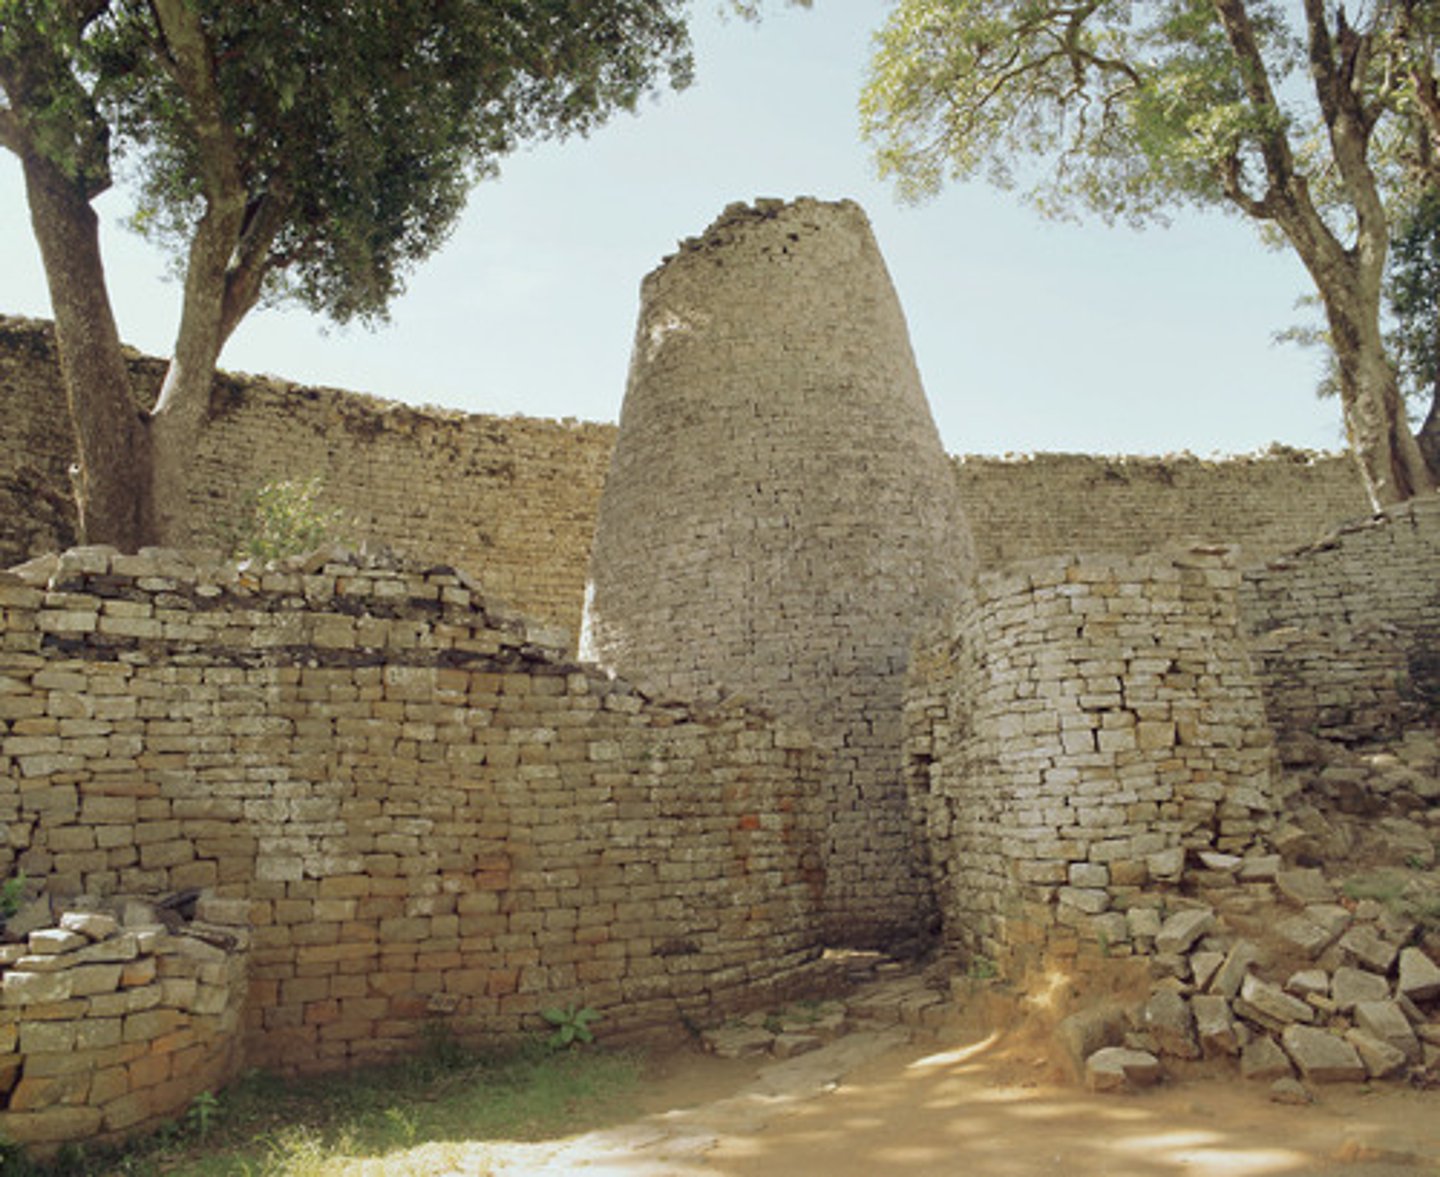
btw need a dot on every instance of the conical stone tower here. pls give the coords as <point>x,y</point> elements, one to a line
<point>780,518</point>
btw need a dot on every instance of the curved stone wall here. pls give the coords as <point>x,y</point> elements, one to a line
<point>779,516</point>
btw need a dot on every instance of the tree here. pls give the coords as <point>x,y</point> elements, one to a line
<point>1312,124</point>
<point>1412,290</point>
<point>306,149</point>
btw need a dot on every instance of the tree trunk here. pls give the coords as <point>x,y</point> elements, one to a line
<point>113,488</point>
<point>1428,437</point>
<point>1390,457</point>
<point>176,428</point>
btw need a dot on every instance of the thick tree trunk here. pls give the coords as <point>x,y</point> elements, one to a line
<point>114,484</point>
<point>1389,454</point>
<point>176,428</point>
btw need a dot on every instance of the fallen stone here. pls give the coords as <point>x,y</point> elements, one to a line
<point>1384,1020</point>
<point>1367,947</point>
<point>1115,1068</point>
<point>1084,1033</point>
<point>1262,1059</point>
<point>1183,928</point>
<point>1304,935</point>
<point>1304,886</point>
<point>1382,1061</point>
<point>1203,967</point>
<point>1167,1017</point>
<point>1419,976</point>
<point>1231,975</point>
<point>1322,1057</point>
<point>1214,1026</point>
<point>1308,982</point>
<point>1330,916</point>
<point>1290,1091</point>
<point>1270,1005</point>
<point>1351,985</point>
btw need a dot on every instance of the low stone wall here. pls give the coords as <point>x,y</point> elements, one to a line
<point>109,1027</point>
<point>1374,582</point>
<point>427,813</point>
<point>1075,729</point>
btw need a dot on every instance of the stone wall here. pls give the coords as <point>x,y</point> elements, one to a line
<point>779,517</point>
<point>109,1027</point>
<point>428,813</point>
<point>510,499</point>
<point>1025,507</point>
<point>1076,727</point>
<point>514,499</point>
<point>1371,592</point>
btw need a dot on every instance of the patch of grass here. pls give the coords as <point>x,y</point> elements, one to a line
<point>264,1126</point>
<point>1401,893</point>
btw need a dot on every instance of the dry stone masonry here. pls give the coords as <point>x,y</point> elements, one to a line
<point>111,1022</point>
<point>518,496</point>
<point>1026,506</point>
<point>513,495</point>
<point>779,515</point>
<point>1072,732</point>
<point>424,812</point>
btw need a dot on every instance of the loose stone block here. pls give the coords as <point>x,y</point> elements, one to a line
<point>1262,1060</point>
<point>1116,1068</point>
<point>1183,928</point>
<point>1382,1060</point>
<point>1369,948</point>
<point>1214,1027</point>
<point>1419,977</point>
<point>1384,1020</point>
<point>1323,1057</point>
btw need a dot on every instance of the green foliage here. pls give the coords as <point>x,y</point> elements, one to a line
<point>284,518</point>
<point>12,894</point>
<point>1412,289</point>
<point>348,131</point>
<point>981,968</point>
<point>572,1026</point>
<point>1403,894</point>
<point>1122,109</point>
<point>266,1126</point>
<point>202,1114</point>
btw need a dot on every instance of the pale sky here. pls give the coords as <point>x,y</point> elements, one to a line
<point>1030,336</point>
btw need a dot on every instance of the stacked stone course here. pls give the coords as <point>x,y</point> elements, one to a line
<point>1371,591</point>
<point>427,812</point>
<point>108,1028</point>
<point>1074,730</point>
<point>1033,505</point>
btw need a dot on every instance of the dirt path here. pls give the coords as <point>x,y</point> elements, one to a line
<point>871,1103</point>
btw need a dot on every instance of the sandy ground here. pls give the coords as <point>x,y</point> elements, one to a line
<point>873,1103</point>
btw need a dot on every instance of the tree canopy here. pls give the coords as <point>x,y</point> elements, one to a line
<point>1321,126</point>
<point>315,150</point>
